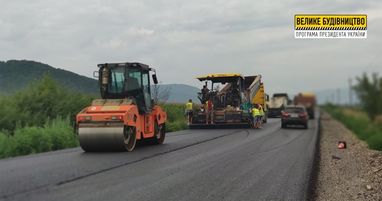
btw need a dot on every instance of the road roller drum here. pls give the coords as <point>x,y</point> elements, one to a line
<point>98,139</point>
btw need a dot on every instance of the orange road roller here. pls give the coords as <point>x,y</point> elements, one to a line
<point>125,114</point>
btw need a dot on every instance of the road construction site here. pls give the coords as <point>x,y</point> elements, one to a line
<point>202,164</point>
<point>231,150</point>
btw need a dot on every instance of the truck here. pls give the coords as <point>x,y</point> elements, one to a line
<point>277,103</point>
<point>308,100</point>
<point>257,93</point>
<point>125,113</point>
<point>230,95</point>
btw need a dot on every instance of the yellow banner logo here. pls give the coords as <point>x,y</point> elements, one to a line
<point>330,22</point>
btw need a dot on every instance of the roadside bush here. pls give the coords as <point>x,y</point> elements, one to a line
<point>369,91</point>
<point>54,135</point>
<point>362,126</point>
<point>176,119</point>
<point>175,126</point>
<point>3,145</point>
<point>174,111</point>
<point>375,141</point>
<point>61,133</point>
<point>42,100</point>
<point>29,140</point>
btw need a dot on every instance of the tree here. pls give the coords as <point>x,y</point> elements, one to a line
<point>369,91</point>
<point>40,101</point>
<point>160,93</point>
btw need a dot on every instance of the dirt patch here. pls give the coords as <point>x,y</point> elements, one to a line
<point>354,173</point>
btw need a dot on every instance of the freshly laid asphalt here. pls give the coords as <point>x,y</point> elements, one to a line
<point>206,164</point>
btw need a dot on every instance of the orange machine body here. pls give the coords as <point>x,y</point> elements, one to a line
<point>118,112</point>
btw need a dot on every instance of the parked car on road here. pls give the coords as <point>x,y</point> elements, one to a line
<point>294,115</point>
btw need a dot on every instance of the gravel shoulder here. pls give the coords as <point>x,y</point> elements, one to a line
<point>354,173</point>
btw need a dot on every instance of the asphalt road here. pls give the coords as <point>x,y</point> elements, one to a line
<point>232,164</point>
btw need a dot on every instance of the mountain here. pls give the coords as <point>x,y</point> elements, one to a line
<point>17,74</point>
<point>179,93</point>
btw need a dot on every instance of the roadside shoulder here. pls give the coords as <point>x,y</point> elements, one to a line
<point>354,173</point>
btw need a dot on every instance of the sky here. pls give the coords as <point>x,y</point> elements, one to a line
<point>185,39</point>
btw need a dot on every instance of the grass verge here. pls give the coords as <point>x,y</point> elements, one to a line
<point>356,120</point>
<point>176,119</point>
<point>54,135</point>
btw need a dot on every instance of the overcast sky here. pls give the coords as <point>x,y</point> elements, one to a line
<point>184,39</point>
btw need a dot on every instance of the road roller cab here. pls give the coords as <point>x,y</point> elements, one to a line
<point>126,113</point>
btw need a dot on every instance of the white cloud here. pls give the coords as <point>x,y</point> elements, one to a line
<point>186,38</point>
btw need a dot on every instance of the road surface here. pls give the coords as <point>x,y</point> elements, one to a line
<point>232,164</point>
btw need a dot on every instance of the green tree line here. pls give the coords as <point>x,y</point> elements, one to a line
<point>39,118</point>
<point>366,127</point>
<point>369,91</point>
<point>362,126</point>
<point>41,100</point>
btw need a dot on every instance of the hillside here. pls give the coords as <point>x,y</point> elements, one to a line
<point>17,74</point>
<point>180,93</point>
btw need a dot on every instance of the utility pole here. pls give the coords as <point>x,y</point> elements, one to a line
<point>350,92</point>
<point>338,96</point>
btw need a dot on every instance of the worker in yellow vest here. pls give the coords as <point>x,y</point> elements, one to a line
<point>261,116</point>
<point>189,111</point>
<point>256,116</point>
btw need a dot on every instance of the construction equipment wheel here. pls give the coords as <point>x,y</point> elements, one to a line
<point>160,133</point>
<point>306,126</point>
<point>129,138</point>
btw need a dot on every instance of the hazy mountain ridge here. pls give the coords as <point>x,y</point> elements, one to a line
<point>17,74</point>
<point>180,93</point>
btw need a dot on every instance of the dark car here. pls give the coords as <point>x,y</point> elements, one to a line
<point>294,115</point>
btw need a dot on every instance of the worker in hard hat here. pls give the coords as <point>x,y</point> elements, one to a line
<point>256,116</point>
<point>205,92</point>
<point>189,111</point>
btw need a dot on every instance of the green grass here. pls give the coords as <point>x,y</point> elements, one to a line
<point>54,135</point>
<point>176,119</point>
<point>359,123</point>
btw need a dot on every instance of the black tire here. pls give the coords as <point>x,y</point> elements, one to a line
<point>311,115</point>
<point>130,139</point>
<point>306,126</point>
<point>159,133</point>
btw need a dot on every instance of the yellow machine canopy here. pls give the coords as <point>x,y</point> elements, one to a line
<point>221,77</point>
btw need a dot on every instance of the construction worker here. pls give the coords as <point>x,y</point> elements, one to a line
<point>256,116</point>
<point>209,114</point>
<point>189,111</point>
<point>205,92</point>
<point>261,115</point>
